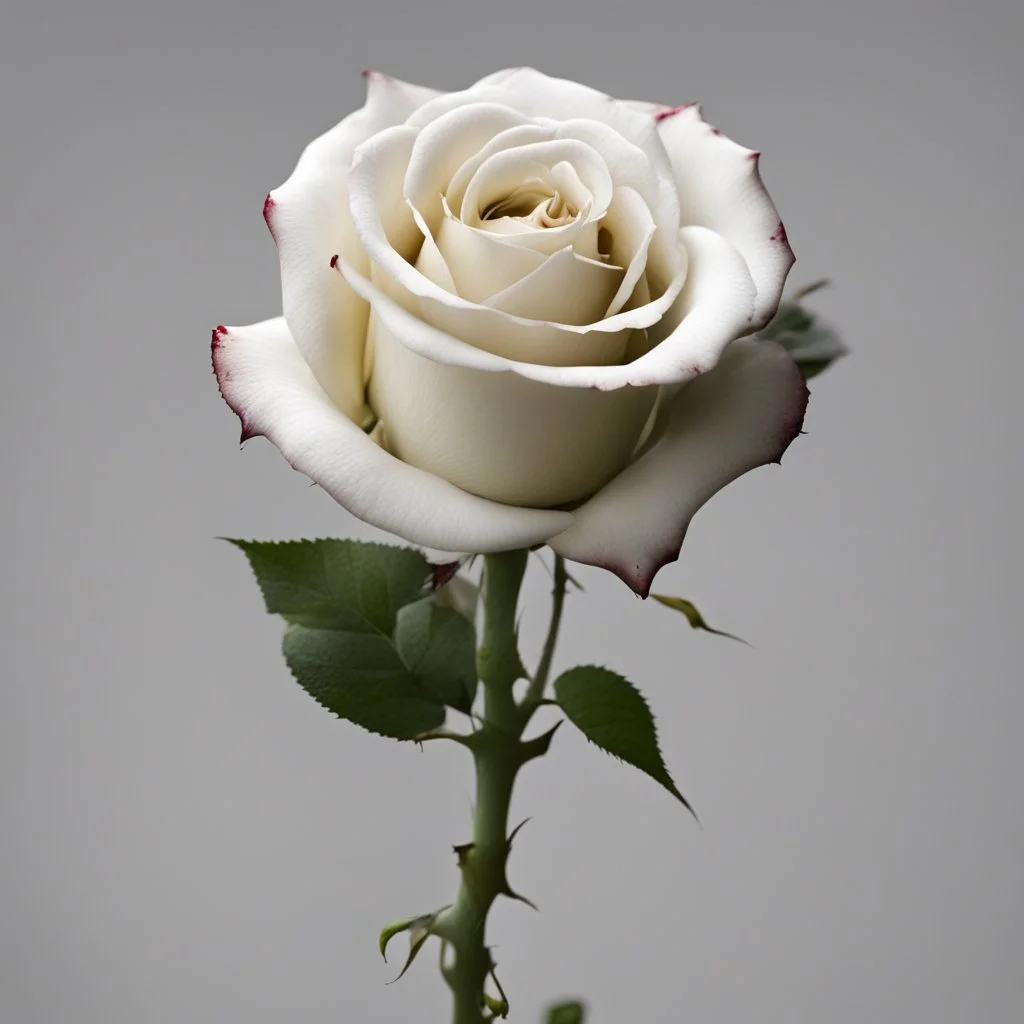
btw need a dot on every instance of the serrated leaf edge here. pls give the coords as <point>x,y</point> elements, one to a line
<point>668,782</point>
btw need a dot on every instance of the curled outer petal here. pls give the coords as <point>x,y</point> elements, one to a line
<point>264,378</point>
<point>309,220</point>
<point>720,188</point>
<point>741,415</point>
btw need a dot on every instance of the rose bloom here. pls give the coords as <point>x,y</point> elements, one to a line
<point>515,315</point>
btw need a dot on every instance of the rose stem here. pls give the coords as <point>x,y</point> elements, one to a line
<point>498,754</point>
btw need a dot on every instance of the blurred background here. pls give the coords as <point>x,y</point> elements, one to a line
<point>186,836</point>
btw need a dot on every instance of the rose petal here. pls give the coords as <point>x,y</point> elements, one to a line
<point>481,264</point>
<point>741,415</point>
<point>538,95</point>
<point>444,145</point>
<point>651,109</point>
<point>567,289</point>
<point>522,135</point>
<point>390,101</point>
<point>507,169</point>
<point>550,100</point>
<point>432,262</point>
<point>265,380</point>
<point>630,228</point>
<point>375,182</point>
<point>631,166</point>
<point>502,333</point>
<point>435,300</point>
<point>530,348</point>
<point>309,219</point>
<point>498,435</point>
<point>573,225</point>
<point>581,233</point>
<point>720,188</point>
<point>454,317</point>
<point>712,310</point>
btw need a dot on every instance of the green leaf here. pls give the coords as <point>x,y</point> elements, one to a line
<point>813,344</point>
<point>336,584</point>
<point>791,317</point>
<point>362,678</point>
<point>566,1013</point>
<point>693,616</point>
<point>611,712</point>
<point>342,600</point>
<point>438,645</point>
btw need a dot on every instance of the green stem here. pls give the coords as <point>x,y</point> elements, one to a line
<point>498,754</point>
<point>535,692</point>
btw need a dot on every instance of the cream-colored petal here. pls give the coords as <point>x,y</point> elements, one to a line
<point>720,188</point>
<point>508,169</point>
<point>582,233</point>
<point>265,380</point>
<point>712,309</point>
<point>498,435</point>
<point>541,96</point>
<point>629,227</point>
<point>375,184</point>
<point>309,218</point>
<point>444,145</point>
<point>567,289</point>
<point>451,312</point>
<point>476,337</point>
<point>741,415</point>
<point>512,138</point>
<point>631,166</point>
<point>431,262</point>
<point>480,263</point>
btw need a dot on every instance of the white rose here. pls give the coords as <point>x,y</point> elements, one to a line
<point>511,317</point>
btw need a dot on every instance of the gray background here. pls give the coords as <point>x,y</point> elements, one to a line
<point>186,837</point>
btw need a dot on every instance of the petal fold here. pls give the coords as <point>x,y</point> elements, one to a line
<point>567,289</point>
<point>444,145</point>
<point>309,218</point>
<point>481,263</point>
<point>741,415</point>
<point>265,380</point>
<point>720,188</point>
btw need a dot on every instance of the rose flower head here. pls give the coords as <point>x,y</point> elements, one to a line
<point>519,314</point>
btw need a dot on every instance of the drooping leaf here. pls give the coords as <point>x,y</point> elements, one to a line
<point>693,616</point>
<point>567,1013</point>
<point>438,645</point>
<point>336,583</point>
<point>362,678</point>
<point>612,714</point>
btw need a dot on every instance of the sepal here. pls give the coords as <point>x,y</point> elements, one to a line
<point>693,615</point>
<point>419,928</point>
